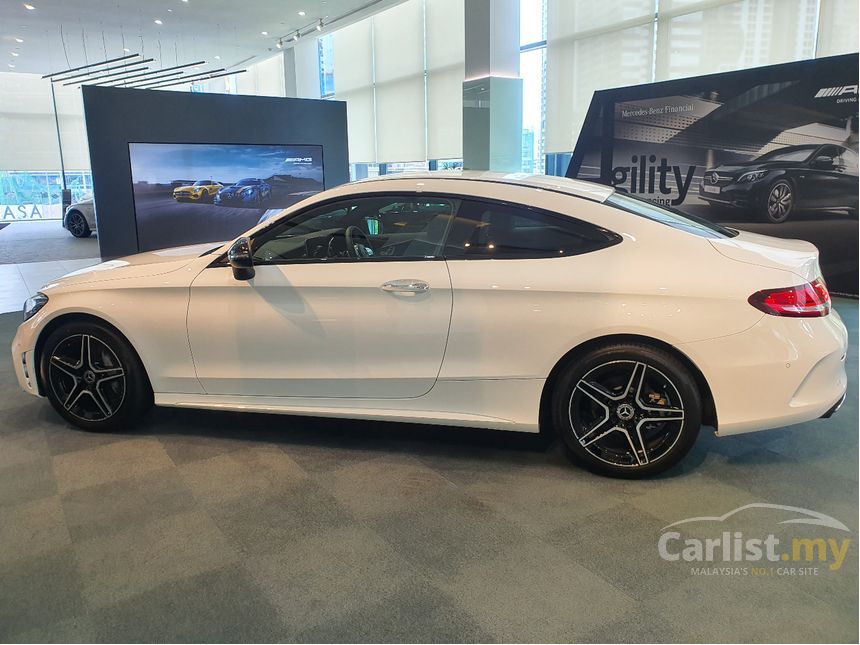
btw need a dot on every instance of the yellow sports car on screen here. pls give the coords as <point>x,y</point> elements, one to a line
<point>200,191</point>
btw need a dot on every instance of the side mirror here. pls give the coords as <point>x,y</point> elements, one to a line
<point>823,162</point>
<point>241,259</point>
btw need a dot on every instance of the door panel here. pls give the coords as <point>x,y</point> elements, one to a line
<point>321,329</point>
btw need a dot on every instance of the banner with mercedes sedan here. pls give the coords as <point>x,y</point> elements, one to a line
<point>771,150</point>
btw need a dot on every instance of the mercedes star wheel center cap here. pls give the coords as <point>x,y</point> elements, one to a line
<point>625,411</point>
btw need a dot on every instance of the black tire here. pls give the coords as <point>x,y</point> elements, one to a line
<point>778,202</point>
<point>599,416</point>
<point>93,378</point>
<point>77,225</point>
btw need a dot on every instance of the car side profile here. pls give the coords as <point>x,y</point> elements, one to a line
<point>80,218</point>
<point>201,191</point>
<point>248,191</point>
<point>511,302</point>
<point>785,180</point>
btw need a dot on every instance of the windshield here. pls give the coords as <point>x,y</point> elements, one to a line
<point>247,182</point>
<point>791,154</point>
<point>203,182</point>
<point>669,216</point>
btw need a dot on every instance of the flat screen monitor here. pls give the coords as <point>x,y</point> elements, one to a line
<point>187,193</point>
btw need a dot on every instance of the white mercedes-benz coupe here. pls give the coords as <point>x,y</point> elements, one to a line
<point>512,302</point>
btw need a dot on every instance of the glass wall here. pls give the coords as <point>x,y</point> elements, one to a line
<point>37,194</point>
<point>401,73</point>
<point>533,73</point>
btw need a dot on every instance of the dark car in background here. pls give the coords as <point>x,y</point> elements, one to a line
<point>245,192</point>
<point>783,181</point>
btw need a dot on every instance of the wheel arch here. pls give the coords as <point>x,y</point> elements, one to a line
<point>71,211</point>
<point>72,317</point>
<point>709,413</point>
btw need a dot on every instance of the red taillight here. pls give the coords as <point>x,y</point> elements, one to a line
<point>803,301</point>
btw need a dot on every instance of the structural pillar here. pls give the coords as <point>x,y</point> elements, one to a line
<point>493,90</point>
<point>289,56</point>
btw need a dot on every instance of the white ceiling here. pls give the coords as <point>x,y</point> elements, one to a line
<point>59,34</point>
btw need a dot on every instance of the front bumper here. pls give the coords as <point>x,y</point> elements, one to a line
<point>23,360</point>
<point>780,372</point>
<point>732,195</point>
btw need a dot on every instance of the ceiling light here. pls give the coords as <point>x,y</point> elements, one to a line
<point>264,33</point>
<point>126,50</point>
<point>279,44</point>
<point>29,7</point>
<point>295,36</point>
<point>217,58</point>
<point>320,25</point>
<point>170,10</point>
<point>15,54</point>
<point>19,40</point>
<point>12,65</point>
<point>158,21</point>
<point>301,13</point>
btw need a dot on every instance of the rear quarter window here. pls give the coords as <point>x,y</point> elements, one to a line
<point>487,230</point>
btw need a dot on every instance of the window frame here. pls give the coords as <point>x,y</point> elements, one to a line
<point>612,238</point>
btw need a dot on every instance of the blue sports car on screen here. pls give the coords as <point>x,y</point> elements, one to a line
<point>245,192</point>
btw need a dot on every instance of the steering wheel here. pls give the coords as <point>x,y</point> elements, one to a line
<point>357,249</point>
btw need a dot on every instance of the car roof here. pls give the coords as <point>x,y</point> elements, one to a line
<point>575,187</point>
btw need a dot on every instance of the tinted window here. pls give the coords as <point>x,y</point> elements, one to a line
<point>669,216</point>
<point>788,154</point>
<point>488,230</point>
<point>384,227</point>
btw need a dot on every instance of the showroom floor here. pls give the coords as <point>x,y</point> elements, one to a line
<point>223,527</point>
<point>35,241</point>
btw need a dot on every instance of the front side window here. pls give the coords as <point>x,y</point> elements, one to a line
<point>487,230</point>
<point>788,154</point>
<point>363,228</point>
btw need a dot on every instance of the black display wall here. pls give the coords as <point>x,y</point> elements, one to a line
<point>116,118</point>
<point>718,146</point>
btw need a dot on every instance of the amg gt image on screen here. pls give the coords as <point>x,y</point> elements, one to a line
<point>185,193</point>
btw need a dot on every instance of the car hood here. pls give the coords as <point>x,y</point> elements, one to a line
<point>797,256</point>
<point>151,263</point>
<point>185,189</point>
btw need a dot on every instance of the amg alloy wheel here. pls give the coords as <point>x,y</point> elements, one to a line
<point>628,410</point>
<point>77,224</point>
<point>779,203</point>
<point>93,378</point>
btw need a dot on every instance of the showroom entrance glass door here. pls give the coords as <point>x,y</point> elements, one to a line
<point>369,327</point>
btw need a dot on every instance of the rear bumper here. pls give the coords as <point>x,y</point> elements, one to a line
<point>780,372</point>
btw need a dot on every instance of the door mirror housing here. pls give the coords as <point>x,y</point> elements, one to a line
<point>823,162</point>
<point>241,259</point>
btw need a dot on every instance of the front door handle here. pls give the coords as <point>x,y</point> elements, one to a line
<point>407,285</point>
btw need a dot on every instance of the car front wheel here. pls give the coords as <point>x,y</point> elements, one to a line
<point>627,410</point>
<point>779,203</point>
<point>93,378</point>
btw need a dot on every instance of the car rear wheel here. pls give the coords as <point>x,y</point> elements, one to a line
<point>77,224</point>
<point>779,203</point>
<point>627,410</point>
<point>93,378</point>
